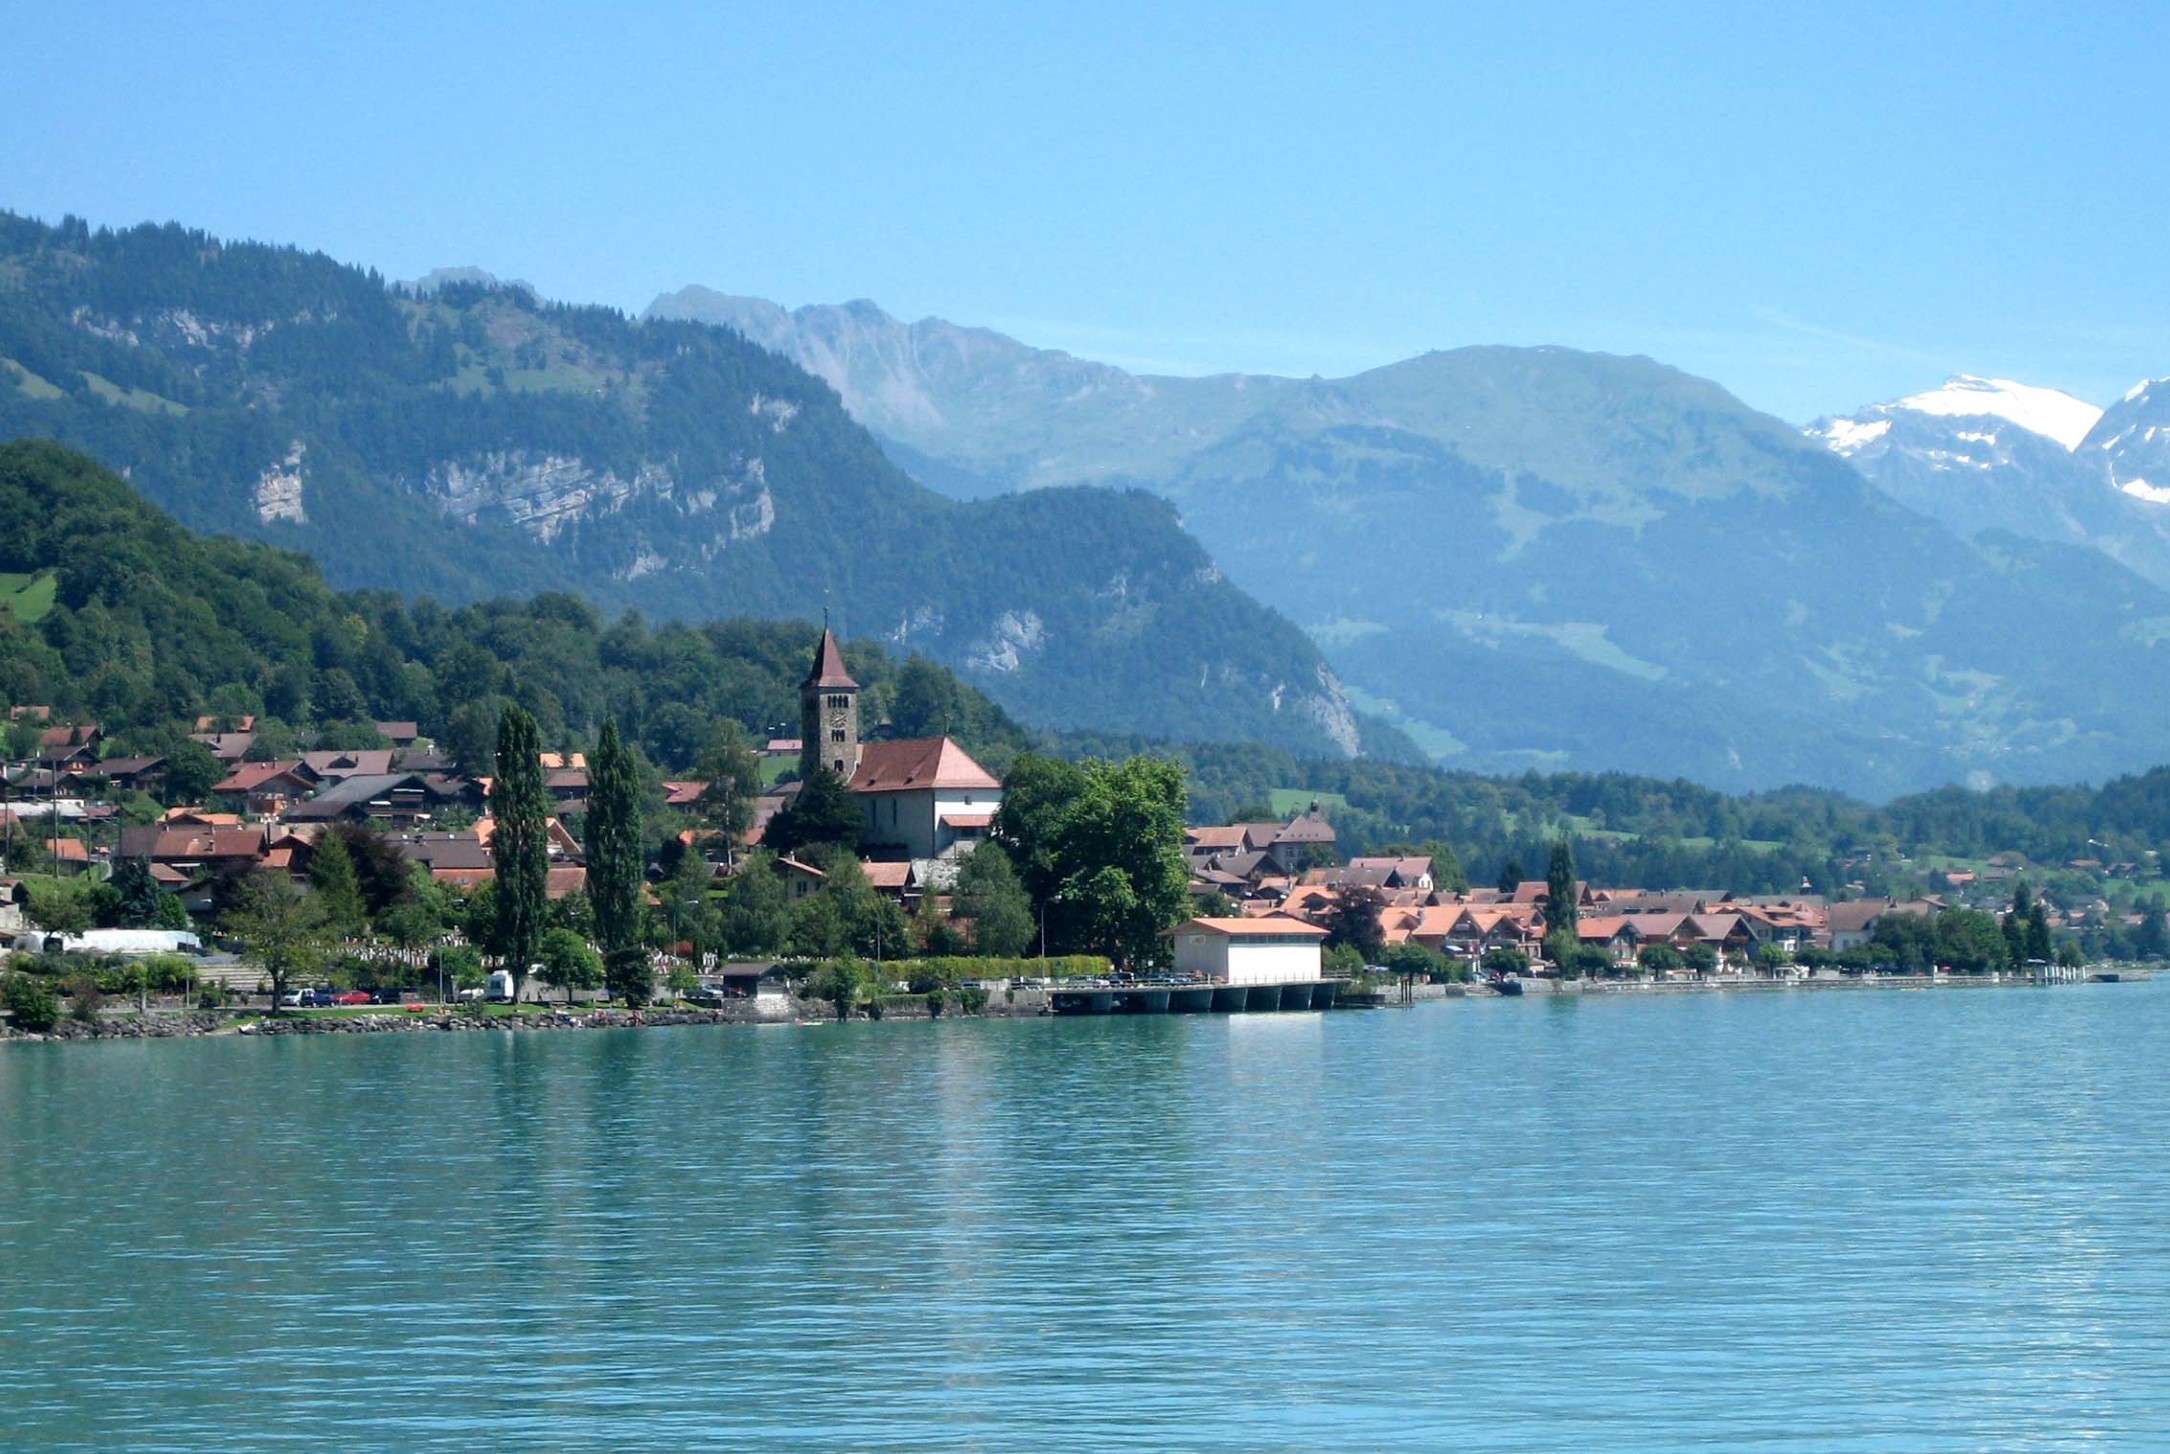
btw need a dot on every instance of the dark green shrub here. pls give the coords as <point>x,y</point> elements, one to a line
<point>30,1003</point>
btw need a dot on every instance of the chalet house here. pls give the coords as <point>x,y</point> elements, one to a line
<point>246,722</point>
<point>67,750</point>
<point>264,789</point>
<point>338,765</point>
<point>1854,923</point>
<point>899,882</point>
<point>399,734</point>
<point>462,859</point>
<point>133,774</point>
<point>1429,925</point>
<point>392,797</point>
<point>226,746</point>
<point>1392,873</point>
<point>185,857</point>
<point>1613,933</point>
<point>558,839</point>
<point>800,879</point>
<point>568,788</point>
<point>1479,928</point>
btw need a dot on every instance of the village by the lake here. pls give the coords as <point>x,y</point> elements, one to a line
<point>846,871</point>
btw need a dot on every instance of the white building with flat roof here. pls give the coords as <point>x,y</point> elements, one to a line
<point>1274,949</point>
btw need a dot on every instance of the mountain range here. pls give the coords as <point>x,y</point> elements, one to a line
<point>1542,557</point>
<point>461,438</point>
<point>1990,454</point>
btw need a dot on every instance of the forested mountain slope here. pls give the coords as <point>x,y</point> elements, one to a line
<point>150,625</point>
<point>1554,558</point>
<point>469,441</point>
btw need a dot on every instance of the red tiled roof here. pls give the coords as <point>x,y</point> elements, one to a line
<point>888,875</point>
<point>252,775</point>
<point>919,762</point>
<point>1211,837</point>
<point>970,820</point>
<point>828,668</point>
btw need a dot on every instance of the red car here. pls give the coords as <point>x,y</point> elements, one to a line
<point>351,997</point>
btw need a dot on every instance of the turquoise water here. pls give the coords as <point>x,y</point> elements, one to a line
<point>1830,1222</point>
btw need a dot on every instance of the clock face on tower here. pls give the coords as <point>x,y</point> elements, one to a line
<point>837,717</point>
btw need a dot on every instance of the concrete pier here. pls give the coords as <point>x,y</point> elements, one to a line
<point>1193,999</point>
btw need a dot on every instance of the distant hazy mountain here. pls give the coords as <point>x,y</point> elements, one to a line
<point>1990,454</point>
<point>463,439</point>
<point>1545,557</point>
<point>2132,439</point>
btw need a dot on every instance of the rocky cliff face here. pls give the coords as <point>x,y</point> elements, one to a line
<point>278,489</point>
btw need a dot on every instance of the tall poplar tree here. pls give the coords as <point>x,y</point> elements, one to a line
<point>1561,910</point>
<point>520,844</point>
<point>615,863</point>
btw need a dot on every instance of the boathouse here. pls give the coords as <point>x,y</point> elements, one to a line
<point>1269,950</point>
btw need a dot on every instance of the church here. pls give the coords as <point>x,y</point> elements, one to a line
<point>921,798</point>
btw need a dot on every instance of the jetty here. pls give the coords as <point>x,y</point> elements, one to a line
<point>1194,997</point>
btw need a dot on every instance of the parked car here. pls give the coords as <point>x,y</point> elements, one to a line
<point>351,997</point>
<point>317,999</point>
<point>391,997</point>
<point>294,999</point>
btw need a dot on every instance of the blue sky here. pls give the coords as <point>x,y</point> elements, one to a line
<point>1817,206</point>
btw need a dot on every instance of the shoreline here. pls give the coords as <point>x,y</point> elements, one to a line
<point>1015,1004</point>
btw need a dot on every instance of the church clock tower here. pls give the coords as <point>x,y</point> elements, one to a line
<point>828,713</point>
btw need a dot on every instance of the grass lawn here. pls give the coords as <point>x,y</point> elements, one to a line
<point>28,596</point>
<point>1296,800</point>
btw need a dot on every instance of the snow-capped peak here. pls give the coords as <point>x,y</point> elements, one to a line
<point>2048,412</point>
<point>2142,387</point>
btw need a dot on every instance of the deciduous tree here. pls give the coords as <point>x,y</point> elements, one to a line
<point>280,925</point>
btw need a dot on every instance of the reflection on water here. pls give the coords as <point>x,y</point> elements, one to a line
<point>1815,1222</point>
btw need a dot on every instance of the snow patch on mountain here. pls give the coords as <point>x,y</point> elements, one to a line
<point>2140,489</point>
<point>1849,436</point>
<point>2049,412</point>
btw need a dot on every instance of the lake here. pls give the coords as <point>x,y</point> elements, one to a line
<point>1814,1222</point>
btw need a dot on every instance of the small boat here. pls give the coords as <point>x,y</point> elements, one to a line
<point>1507,985</point>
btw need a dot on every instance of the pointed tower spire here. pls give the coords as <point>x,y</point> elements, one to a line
<point>828,668</point>
<point>828,713</point>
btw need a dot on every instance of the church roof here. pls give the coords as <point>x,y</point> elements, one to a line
<point>918,762</point>
<point>828,668</point>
